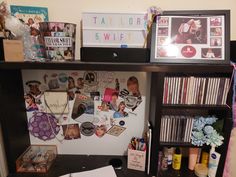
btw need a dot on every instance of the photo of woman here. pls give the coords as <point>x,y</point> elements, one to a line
<point>30,103</point>
<point>211,53</point>
<point>121,111</point>
<point>100,130</point>
<point>133,86</point>
<point>113,103</point>
<point>71,88</point>
<point>189,30</point>
<point>71,131</point>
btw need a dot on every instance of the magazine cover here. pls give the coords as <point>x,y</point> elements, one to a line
<point>32,16</point>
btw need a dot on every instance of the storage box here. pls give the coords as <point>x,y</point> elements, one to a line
<point>129,55</point>
<point>13,50</point>
<point>136,160</point>
<point>37,158</point>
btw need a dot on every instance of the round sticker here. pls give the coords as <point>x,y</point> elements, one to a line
<point>122,123</point>
<point>87,129</point>
<point>130,101</point>
<point>188,51</point>
<point>62,77</point>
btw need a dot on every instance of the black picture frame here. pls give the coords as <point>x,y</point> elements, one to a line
<point>175,40</point>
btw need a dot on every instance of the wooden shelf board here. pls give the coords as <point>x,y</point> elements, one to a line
<point>106,66</point>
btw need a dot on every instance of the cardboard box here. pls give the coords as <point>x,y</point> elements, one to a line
<point>13,50</point>
<point>36,159</point>
<point>136,160</point>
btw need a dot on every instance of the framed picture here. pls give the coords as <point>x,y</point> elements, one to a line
<point>191,37</point>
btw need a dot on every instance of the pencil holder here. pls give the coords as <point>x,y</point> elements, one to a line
<point>136,159</point>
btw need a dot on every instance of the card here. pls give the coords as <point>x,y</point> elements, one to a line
<point>116,130</point>
<point>136,159</point>
<point>82,105</point>
<point>56,102</point>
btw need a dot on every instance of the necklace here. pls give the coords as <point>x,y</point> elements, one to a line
<point>58,118</point>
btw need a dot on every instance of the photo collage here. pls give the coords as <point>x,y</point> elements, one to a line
<point>77,105</point>
<point>190,37</point>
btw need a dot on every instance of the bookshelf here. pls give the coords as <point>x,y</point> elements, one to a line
<point>14,123</point>
<point>175,107</point>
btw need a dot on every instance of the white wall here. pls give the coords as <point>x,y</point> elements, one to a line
<point>3,162</point>
<point>70,10</point>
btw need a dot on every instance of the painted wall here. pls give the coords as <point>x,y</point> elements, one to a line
<point>70,11</point>
<point>3,164</point>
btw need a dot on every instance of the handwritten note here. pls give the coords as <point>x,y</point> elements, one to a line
<point>136,159</point>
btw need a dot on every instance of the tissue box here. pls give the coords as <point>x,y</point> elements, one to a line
<point>36,159</point>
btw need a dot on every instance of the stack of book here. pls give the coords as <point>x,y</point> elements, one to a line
<point>176,128</point>
<point>196,90</point>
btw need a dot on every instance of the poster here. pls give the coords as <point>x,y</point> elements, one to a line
<point>190,37</point>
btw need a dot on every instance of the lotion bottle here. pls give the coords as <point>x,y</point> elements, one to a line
<point>193,155</point>
<point>176,164</point>
<point>213,162</point>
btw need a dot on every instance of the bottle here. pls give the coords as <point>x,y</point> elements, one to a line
<point>205,158</point>
<point>213,162</point>
<point>176,164</point>
<point>199,155</point>
<point>193,155</point>
<point>160,156</point>
<point>164,163</point>
<point>169,151</point>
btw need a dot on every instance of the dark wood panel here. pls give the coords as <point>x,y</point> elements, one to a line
<point>183,172</point>
<point>13,116</point>
<point>104,66</point>
<point>184,106</point>
<point>65,164</point>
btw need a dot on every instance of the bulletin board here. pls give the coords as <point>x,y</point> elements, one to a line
<point>85,112</point>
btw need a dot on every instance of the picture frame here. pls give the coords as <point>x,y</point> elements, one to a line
<point>200,37</point>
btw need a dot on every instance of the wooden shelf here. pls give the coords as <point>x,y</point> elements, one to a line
<point>176,144</point>
<point>183,172</point>
<point>65,164</point>
<point>105,66</point>
<point>192,106</point>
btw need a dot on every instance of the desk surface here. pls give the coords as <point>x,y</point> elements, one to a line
<point>65,164</point>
